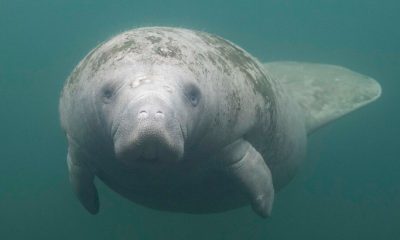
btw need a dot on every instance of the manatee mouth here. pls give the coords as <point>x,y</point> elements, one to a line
<point>155,140</point>
<point>150,150</point>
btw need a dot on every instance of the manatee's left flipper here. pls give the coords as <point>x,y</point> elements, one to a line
<point>247,167</point>
<point>81,178</point>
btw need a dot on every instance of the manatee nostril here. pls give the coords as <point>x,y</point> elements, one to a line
<point>142,114</point>
<point>159,114</point>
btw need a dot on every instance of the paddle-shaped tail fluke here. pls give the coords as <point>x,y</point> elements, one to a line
<point>324,92</point>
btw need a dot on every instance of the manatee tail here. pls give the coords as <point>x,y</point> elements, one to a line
<point>324,92</point>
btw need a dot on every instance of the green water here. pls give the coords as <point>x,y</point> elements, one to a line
<point>348,187</point>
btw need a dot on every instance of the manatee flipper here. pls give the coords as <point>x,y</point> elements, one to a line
<point>247,168</point>
<point>81,179</point>
<point>324,92</point>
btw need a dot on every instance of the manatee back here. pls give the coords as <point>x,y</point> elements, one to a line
<point>324,92</point>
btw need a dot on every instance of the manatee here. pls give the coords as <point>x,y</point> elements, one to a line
<point>186,121</point>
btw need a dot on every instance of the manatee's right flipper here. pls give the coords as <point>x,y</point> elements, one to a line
<point>247,168</point>
<point>81,179</point>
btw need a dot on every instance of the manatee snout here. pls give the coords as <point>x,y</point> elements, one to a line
<point>148,131</point>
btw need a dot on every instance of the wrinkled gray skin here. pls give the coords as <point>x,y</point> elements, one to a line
<point>179,120</point>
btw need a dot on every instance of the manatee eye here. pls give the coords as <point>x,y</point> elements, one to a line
<point>107,93</point>
<point>193,95</point>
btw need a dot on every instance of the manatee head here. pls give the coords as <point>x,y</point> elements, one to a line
<point>149,113</point>
<point>146,96</point>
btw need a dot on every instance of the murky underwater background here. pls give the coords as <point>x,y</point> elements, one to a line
<point>348,188</point>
